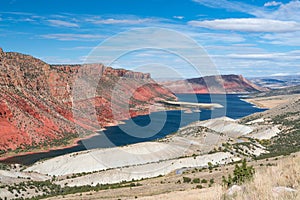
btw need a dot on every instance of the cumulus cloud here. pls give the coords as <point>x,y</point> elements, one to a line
<point>248,25</point>
<point>54,22</point>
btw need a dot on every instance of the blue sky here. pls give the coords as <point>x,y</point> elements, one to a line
<point>250,37</point>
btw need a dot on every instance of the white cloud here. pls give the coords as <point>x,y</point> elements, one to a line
<point>79,48</point>
<point>248,25</point>
<point>54,22</point>
<point>119,21</point>
<point>272,3</point>
<point>17,13</point>
<point>281,74</point>
<point>216,37</point>
<point>234,48</point>
<point>285,39</point>
<point>256,56</point>
<point>231,5</point>
<point>68,37</point>
<point>178,17</point>
<point>278,56</point>
<point>289,11</point>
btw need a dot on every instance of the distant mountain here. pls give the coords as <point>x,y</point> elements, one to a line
<point>277,92</point>
<point>214,84</point>
<point>36,100</point>
<point>276,82</point>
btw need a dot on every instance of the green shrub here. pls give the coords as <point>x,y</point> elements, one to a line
<point>199,186</point>
<point>196,180</point>
<point>203,181</point>
<point>187,179</point>
<point>241,174</point>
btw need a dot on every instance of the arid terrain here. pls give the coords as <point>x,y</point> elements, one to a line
<point>189,162</point>
<point>214,85</point>
<point>46,106</point>
<point>43,106</point>
<point>272,101</point>
<point>270,174</point>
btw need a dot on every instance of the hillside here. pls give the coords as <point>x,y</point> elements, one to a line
<point>283,91</point>
<point>286,116</point>
<point>36,100</point>
<point>190,162</point>
<point>276,82</point>
<point>214,84</point>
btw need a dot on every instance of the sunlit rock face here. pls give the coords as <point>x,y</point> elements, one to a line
<point>36,100</point>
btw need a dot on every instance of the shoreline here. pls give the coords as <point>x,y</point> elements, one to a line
<point>74,142</point>
<point>255,103</point>
<point>270,101</point>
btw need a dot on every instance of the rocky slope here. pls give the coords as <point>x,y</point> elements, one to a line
<point>36,100</point>
<point>282,91</point>
<point>214,84</point>
<point>277,82</point>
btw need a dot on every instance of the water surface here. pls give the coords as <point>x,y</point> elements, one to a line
<point>151,127</point>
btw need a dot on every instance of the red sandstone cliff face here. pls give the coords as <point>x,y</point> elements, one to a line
<point>36,100</point>
<point>214,84</point>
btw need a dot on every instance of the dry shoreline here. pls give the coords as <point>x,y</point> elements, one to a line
<point>270,102</point>
<point>264,102</point>
<point>74,142</point>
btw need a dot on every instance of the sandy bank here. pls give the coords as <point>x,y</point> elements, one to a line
<point>103,159</point>
<point>271,102</point>
<point>149,170</point>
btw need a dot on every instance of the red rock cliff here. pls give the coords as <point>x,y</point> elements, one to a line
<point>36,100</point>
<point>214,84</point>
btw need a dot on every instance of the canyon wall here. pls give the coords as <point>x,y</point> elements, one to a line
<point>37,100</point>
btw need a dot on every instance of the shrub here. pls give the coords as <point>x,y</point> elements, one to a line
<point>199,186</point>
<point>203,181</point>
<point>186,179</point>
<point>241,174</point>
<point>196,180</point>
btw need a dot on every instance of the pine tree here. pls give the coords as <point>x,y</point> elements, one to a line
<point>241,174</point>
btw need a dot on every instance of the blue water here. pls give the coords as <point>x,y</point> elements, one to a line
<point>154,126</point>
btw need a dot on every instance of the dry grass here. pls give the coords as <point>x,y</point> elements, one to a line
<point>212,193</point>
<point>286,173</point>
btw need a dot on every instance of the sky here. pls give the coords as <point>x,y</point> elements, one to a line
<point>249,37</point>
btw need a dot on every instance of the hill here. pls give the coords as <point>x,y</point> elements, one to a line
<point>276,82</point>
<point>214,84</point>
<point>37,100</point>
<point>282,91</point>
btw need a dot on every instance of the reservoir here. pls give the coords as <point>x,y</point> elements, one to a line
<point>151,127</point>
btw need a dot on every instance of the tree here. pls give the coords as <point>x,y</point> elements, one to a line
<point>241,174</point>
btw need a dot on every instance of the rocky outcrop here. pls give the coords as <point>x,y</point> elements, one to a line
<point>37,100</point>
<point>214,84</point>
